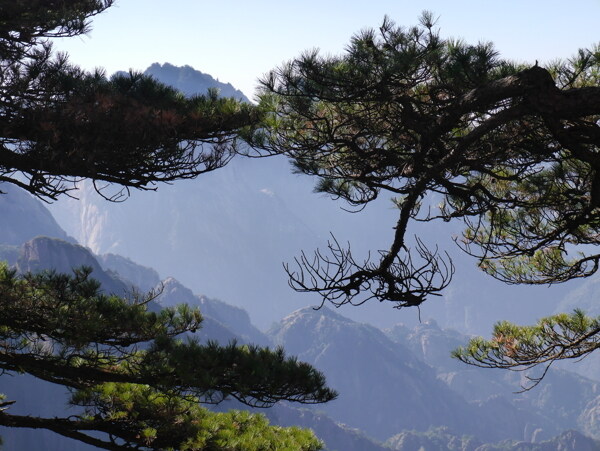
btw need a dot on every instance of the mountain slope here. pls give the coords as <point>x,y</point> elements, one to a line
<point>383,387</point>
<point>388,383</point>
<point>43,253</point>
<point>24,217</point>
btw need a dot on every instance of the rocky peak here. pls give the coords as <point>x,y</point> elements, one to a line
<point>44,253</point>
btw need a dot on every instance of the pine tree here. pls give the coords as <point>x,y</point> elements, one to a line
<point>137,377</point>
<point>61,124</point>
<point>509,149</point>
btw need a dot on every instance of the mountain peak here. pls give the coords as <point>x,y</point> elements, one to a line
<point>172,293</point>
<point>191,81</point>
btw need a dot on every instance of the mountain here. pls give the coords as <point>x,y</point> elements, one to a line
<point>44,253</point>
<point>442,439</point>
<point>142,277</point>
<point>563,399</point>
<point>223,235</point>
<point>24,217</point>
<point>384,388</point>
<point>405,380</point>
<point>227,233</point>
<point>399,382</point>
<point>336,436</point>
<point>191,81</point>
<point>435,439</point>
<point>222,322</point>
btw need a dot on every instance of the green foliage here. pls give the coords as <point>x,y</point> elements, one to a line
<point>557,337</point>
<point>130,371</point>
<point>61,124</point>
<point>168,421</point>
<point>139,384</point>
<point>80,315</point>
<point>511,150</point>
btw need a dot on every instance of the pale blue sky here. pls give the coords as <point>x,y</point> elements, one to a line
<point>237,41</point>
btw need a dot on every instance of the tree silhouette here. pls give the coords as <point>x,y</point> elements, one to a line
<point>452,132</point>
<point>137,382</point>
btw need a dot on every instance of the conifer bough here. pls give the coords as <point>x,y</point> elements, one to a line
<point>135,383</point>
<point>59,124</point>
<point>511,150</point>
<point>128,371</point>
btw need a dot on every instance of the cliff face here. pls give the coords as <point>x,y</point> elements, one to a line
<point>442,439</point>
<point>43,253</point>
<point>142,277</point>
<point>222,322</point>
<point>564,400</point>
<point>191,81</point>
<point>388,382</point>
<point>226,235</point>
<point>383,387</point>
<point>336,436</point>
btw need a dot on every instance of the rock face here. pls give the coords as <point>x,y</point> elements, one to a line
<point>436,439</point>
<point>383,387</point>
<point>143,277</point>
<point>234,318</point>
<point>430,343</point>
<point>22,217</point>
<point>172,293</point>
<point>191,81</point>
<point>226,234</point>
<point>222,322</point>
<point>337,437</point>
<point>589,419</point>
<point>43,253</point>
<point>563,400</point>
<point>221,235</point>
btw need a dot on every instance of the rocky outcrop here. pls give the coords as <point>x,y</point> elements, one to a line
<point>437,439</point>
<point>234,318</point>
<point>336,436</point>
<point>222,322</point>
<point>143,277</point>
<point>589,419</point>
<point>567,441</point>
<point>383,387</point>
<point>191,82</point>
<point>442,439</point>
<point>172,293</point>
<point>43,253</point>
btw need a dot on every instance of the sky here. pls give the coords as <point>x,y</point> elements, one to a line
<point>238,41</point>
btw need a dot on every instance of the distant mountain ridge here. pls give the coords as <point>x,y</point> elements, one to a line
<point>191,81</point>
<point>406,380</point>
<point>441,439</point>
<point>44,253</point>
